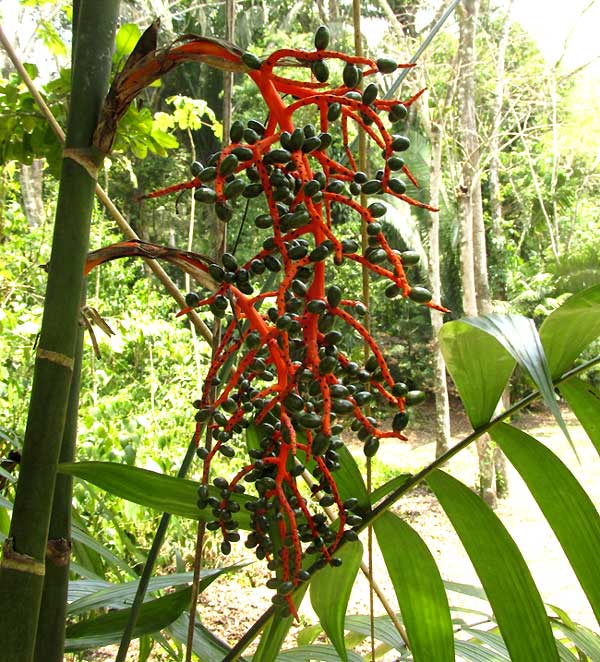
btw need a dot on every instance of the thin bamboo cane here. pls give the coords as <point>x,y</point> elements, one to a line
<point>22,567</point>
<point>51,625</point>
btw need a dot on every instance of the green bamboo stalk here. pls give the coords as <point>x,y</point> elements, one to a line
<point>50,637</point>
<point>22,567</point>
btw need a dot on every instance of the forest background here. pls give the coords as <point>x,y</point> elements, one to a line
<point>518,228</point>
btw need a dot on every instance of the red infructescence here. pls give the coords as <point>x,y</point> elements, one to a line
<point>296,411</point>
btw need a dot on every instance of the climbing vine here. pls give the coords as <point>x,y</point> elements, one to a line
<point>280,366</point>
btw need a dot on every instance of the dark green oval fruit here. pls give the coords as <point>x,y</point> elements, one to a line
<point>252,190</point>
<point>234,188</point>
<point>400,143</point>
<point>263,221</point>
<point>217,272</point>
<point>371,187</point>
<point>319,253</point>
<point>400,421</point>
<point>349,246</point>
<point>362,397</point>
<point>228,165</point>
<point>371,446</point>
<point>320,71</point>
<point>322,38</point>
<point>386,65</point>
<point>327,365</point>
<point>236,133</point>
<point>242,153</point>
<point>229,262</point>
<point>310,420</point>
<point>334,111</point>
<point>257,266</point>
<point>297,139</point>
<point>251,60</point>
<point>370,94</point>
<point>250,136</point>
<point>395,163</point>
<point>410,258</point>
<point>342,406</point>
<point>310,144</point>
<point>373,229</point>
<point>279,156</point>
<point>336,186</point>
<point>376,209</point>
<point>192,299</point>
<point>354,95</point>
<point>326,139</point>
<point>397,186</point>
<point>257,126</point>
<point>272,263</point>
<point>392,291</point>
<point>420,294</point>
<point>398,113</point>
<point>334,295</point>
<point>196,168</point>
<point>351,75</point>
<point>316,306</point>
<point>399,389</point>
<point>205,194</point>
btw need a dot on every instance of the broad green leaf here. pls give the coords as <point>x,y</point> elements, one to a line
<point>471,652</point>
<point>83,538</point>
<point>567,331</point>
<point>108,628</point>
<point>466,589</point>
<point>349,479</point>
<point>330,590</point>
<point>385,630</point>
<point>205,644</point>
<point>419,589</point>
<point>306,636</point>
<point>583,638</point>
<point>520,338</point>
<point>8,476</point>
<point>126,39</point>
<point>584,400</point>
<point>491,639</point>
<point>312,653</point>
<point>567,508</point>
<point>479,366</point>
<point>148,488</point>
<point>276,631</point>
<point>512,593</point>
<point>120,595</point>
<point>390,486</point>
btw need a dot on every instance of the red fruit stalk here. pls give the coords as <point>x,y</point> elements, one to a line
<point>293,382</point>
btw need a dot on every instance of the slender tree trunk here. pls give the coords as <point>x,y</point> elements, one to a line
<point>469,145</point>
<point>31,190</point>
<point>23,564</point>
<point>476,294</point>
<point>440,385</point>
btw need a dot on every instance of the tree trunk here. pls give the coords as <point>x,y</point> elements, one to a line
<point>23,564</point>
<point>476,294</point>
<point>31,190</point>
<point>440,385</point>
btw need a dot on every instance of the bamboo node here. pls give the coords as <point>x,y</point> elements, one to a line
<point>13,560</point>
<point>58,552</point>
<point>54,357</point>
<point>81,155</point>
